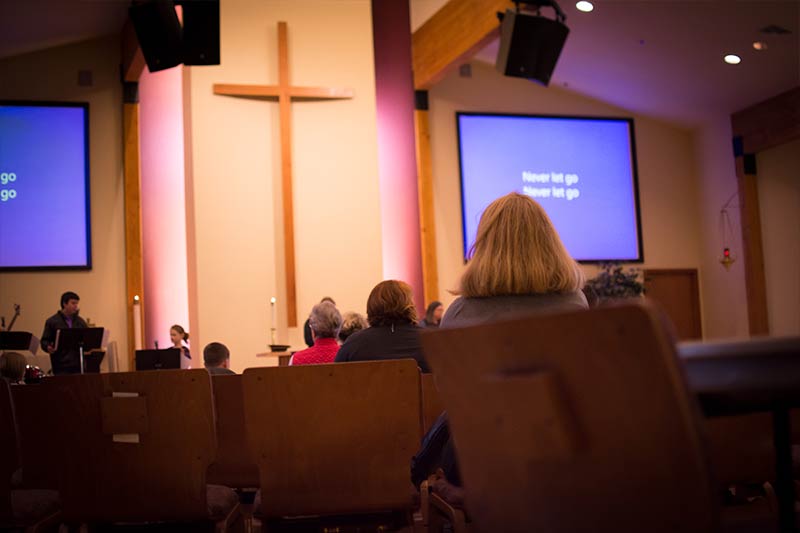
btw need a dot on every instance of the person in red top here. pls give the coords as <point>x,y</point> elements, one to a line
<point>325,321</point>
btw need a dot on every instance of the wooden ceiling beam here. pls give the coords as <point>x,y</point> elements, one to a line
<point>132,57</point>
<point>453,35</point>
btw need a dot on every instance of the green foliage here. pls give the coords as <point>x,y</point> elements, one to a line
<point>612,282</point>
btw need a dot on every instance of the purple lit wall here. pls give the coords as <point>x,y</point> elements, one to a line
<point>394,94</point>
<point>163,205</point>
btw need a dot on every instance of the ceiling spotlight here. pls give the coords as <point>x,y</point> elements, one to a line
<point>733,59</point>
<point>585,6</point>
<point>760,45</point>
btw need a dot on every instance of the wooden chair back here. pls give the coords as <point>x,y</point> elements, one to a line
<point>573,422</point>
<point>34,409</point>
<point>9,449</point>
<point>336,438</point>
<point>234,465</point>
<point>137,445</point>
<point>432,405</point>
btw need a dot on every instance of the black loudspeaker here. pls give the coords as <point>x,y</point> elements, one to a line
<point>159,33</point>
<point>200,32</point>
<point>530,46</point>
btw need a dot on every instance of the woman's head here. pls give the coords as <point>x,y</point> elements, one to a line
<point>12,366</point>
<point>325,320</point>
<point>177,335</point>
<point>434,312</point>
<point>351,322</point>
<point>517,251</point>
<point>391,302</point>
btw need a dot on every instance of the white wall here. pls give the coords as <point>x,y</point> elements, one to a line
<point>235,148</point>
<point>779,203</point>
<point>53,75</point>
<point>666,163</point>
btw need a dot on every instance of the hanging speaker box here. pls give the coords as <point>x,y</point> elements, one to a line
<point>159,33</point>
<point>530,46</point>
<point>201,32</point>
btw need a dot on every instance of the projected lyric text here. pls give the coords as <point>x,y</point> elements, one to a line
<point>8,192</point>
<point>557,185</point>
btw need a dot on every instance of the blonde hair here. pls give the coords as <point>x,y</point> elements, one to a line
<point>517,251</point>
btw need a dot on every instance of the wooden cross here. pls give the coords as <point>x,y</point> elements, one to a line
<point>284,93</point>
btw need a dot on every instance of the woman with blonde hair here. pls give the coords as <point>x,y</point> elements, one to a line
<point>393,331</point>
<point>519,266</point>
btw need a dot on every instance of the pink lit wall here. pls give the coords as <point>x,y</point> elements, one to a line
<point>163,205</point>
<point>394,91</point>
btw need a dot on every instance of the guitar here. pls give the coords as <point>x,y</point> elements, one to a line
<point>14,318</point>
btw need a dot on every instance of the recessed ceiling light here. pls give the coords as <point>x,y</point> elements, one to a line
<point>733,59</point>
<point>760,45</point>
<point>584,6</point>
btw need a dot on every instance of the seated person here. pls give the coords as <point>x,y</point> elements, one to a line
<point>307,327</point>
<point>351,322</point>
<point>519,267</point>
<point>12,367</point>
<point>325,321</point>
<point>217,359</point>
<point>433,315</point>
<point>393,331</point>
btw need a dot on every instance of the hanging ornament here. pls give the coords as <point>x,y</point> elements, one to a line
<point>727,231</point>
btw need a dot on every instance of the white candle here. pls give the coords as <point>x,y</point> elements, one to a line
<point>273,321</point>
<point>137,323</point>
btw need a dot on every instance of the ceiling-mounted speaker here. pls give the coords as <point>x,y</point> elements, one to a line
<point>159,33</point>
<point>530,46</point>
<point>200,32</point>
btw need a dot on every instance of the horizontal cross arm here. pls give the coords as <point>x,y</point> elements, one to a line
<point>320,93</point>
<point>247,90</point>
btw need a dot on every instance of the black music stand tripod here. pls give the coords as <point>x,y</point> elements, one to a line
<point>82,339</point>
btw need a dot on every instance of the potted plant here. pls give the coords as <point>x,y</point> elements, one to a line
<point>614,283</point>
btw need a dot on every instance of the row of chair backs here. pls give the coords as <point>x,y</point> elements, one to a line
<point>432,405</point>
<point>345,451</point>
<point>9,459</point>
<point>574,422</point>
<point>235,465</point>
<point>134,446</point>
<point>35,418</point>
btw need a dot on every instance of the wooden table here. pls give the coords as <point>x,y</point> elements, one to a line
<point>283,357</point>
<point>756,375</point>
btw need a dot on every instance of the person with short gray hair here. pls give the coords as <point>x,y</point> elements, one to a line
<point>325,321</point>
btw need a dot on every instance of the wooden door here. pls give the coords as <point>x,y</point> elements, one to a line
<point>676,290</point>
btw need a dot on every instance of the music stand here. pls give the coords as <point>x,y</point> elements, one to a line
<point>18,340</point>
<point>83,339</point>
<point>169,358</point>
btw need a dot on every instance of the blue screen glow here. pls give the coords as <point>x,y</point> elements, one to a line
<point>581,170</point>
<point>44,186</point>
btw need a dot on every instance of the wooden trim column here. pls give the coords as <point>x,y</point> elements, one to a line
<point>765,125</point>
<point>427,228</point>
<point>134,269</point>
<point>752,244</point>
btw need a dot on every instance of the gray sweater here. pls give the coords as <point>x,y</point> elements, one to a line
<point>471,311</point>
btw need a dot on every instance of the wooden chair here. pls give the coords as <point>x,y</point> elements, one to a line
<point>136,449</point>
<point>33,405</point>
<point>28,510</point>
<point>234,465</point>
<point>334,439</point>
<point>574,422</point>
<point>431,403</point>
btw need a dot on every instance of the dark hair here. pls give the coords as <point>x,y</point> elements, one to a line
<point>67,296</point>
<point>391,302</point>
<point>181,331</point>
<point>215,353</point>
<point>327,299</point>
<point>429,311</point>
